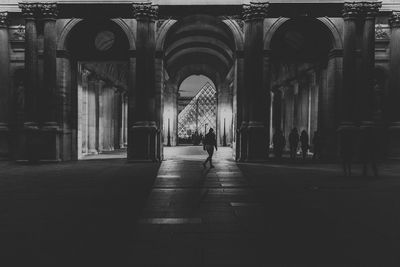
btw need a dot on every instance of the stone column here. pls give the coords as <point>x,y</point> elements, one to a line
<point>347,96</point>
<point>92,117</point>
<point>50,130</point>
<point>242,118</point>
<point>392,113</point>
<point>31,127</point>
<point>142,144</point>
<point>4,86</point>
<point>256,65</point>
<point>366,90</point>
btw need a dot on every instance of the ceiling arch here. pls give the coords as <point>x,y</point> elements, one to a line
<point>199,40</point>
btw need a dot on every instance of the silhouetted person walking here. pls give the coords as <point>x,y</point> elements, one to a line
<point>293,142</point>
<point>209,143</point>
<point>304,140</point>
<point>368,148</point>
<point>346,150</point>
<point>317,145</point>
<point>279,142</point>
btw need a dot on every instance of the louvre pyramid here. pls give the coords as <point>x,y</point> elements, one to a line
<point>200,114</point>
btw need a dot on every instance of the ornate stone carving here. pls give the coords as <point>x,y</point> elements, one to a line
<point>352,9</point>
<point>29,10</point>
<point>380,33</point>
<point>371,9</point>
<point>3,19</point>
<point>255,10</point>
<point>394,20</point>
<point>355,9</point>
<point>145,11</point>
<point>48,10</point>
<point>19,34</point>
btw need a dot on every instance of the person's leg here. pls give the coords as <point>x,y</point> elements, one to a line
<point>211,152</point>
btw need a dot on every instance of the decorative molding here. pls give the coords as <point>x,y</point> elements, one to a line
<point>255,10</point>
<point>394,20</point>
<point>3,19</point>
<point>29,10</point>
<point>371,9</point>
<point>381,32</point>
<point>357,9</point>
<point>145,11</point>
<point>18,33</point>
<point>48,10</point>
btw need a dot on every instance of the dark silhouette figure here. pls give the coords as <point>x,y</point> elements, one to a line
<point>279,142</point>
<point>368,148</point>
<point>304,140</point>
<point>209,143</point>
<point>346,139</point>
<point>293,142</point>
<point>317,145</point>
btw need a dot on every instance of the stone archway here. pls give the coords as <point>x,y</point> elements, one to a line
<point>79,44</point>
<point>200,45</point>
<point>305,77</point>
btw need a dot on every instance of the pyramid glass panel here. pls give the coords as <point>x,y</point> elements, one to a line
<point>200,114</point>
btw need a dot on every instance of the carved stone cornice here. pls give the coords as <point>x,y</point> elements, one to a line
<point>358,9</point>
<point>255,10</point>
<point>29,10</point>
<point>3,19</point>
<point>145,11</point>
<point>394,20</point>
<point>48,10</point>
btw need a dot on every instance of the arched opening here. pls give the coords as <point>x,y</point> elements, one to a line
<point>197,109</point>
<point>98,67</point>
<point>199,74</point>
<point>299,78</point>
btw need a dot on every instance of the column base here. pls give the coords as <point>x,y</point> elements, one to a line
<point>257,142</point>
<point>50,140</point>
<point>393,145</point>
<point>4,142</point>
<point>142,142</point>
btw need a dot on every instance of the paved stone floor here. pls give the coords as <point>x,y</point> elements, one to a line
<point>177,213</point>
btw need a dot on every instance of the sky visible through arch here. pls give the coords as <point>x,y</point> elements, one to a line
<point>191,85</point>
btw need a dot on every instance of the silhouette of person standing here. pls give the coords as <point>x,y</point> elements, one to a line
<point>346,150</point>
<point>317,145</point>
<point>293,142</point>
<point>279,142</point>
<point>304,143</point>
<point>368,149</point>
<point>209,143</point>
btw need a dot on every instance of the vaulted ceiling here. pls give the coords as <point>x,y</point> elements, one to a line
<point>199,44</point>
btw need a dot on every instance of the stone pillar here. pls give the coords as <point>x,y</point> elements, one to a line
<point>327,113</point>
<point>347,96</point>
<point>50,130</point>
<point>92,117</point>
<point>142,144</point>
<point>31,127</point>
<point>242,111</point>
<point>277,111</point>
<point>392,113</point>
<point>117,119</point>
<point>256,65</point>
<point>4,86</point>
<point>366,90</point>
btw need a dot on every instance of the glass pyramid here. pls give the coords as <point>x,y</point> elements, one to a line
<point>200,114</point>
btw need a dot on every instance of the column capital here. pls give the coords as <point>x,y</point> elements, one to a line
<point>255,10</point>
<point>371,9</point>
<point>29,10</point>
<point>352,9</point>
<point>3,19</point>
<point>48,10</point>
<point>394,20</point>
<point>365,8</point>
<point>143,11</point>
